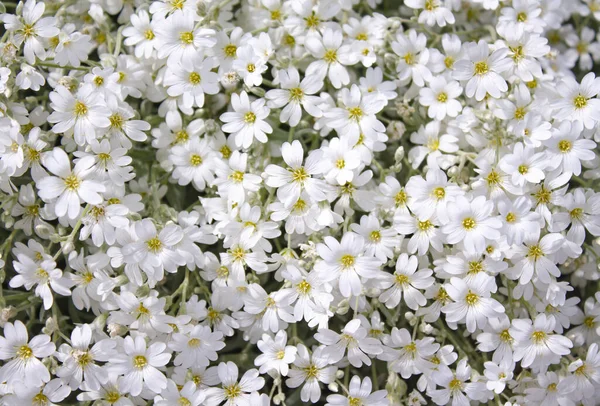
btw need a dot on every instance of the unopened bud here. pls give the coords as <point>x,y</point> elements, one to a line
<point>333,387</point>
<point>6,314</point>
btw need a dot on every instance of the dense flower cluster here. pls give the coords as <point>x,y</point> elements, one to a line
<point>342,202</point>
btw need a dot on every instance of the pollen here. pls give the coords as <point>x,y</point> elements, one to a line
<point>311,371</point>
<point>280,354</point>
<point>449,62</point>
<point>469,223</point>
<point>330,56</point>
<point>522,17</point>
<point>24,352</point>
<point>439,193</point>
<point>576,213</point>
<point>238,253</point>
<point>455,384</point>
<point>187,37</point>
<point>493,178</point>
<point>32,210</point>
<point>517,53</point>
<point>193,343</point>
<point>84,358</point>
<point>580,101</point>
<point>230,50</point>
<point>116,121</point>
<point>300,206</point>
<point>538,337</point>
<point>475,267</point>
<point>225,151</point>
<point>511,217</point>
<point>177,4</point>
<point>72,182</point>
<point>347,261</point>
<point>299,174</point>
<point>471,298</point>
<point>505,336</point>
<point>303,287</point>
<point>296,94</point>
<point>181,137</point>
<point>80,109</point>
<point>354,401</point>
<point>401,279</point>
<point>139,361</point>
<point>312,21</point>
<point>340,164</point>
<point>98,81</point>
<point>520,113</point>
<point>400,198</point>
<point>237,176</point>
<point>424,225</point>
<point>250,117</point>
<point>183,402</point>
<point>543,196</point>
<point>40,400</point>
<point>154,245</point>
<point>149,35</point>
<point>442,97</point>
<point>195,160</point>
<point>28,30</point>
<point>430,5</point>
<point>97,211</point>
<point>276,15</point>
<point>251,67</point>
<point>355,113</point>
<point>112,397</point>
<point>535,252</point>
<point>589,322</point>
<point>375,236</point>
<point>565,146</point>
<point>523,169</point>
<point>481,68</point>
<point>195,78</point>
<point>409,59</point>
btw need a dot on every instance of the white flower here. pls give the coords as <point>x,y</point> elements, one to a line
<point>294,94</point>
<point>197,347</point>
<point>276,355</point>
<point>566,150</point>
<point>142,34</point>
<point>406,280</point>
<point>471,224</point>
<point>193,163</point>
<point>247,121</point>
<point>331,56</point>
<point>190,81</point>
<point>139,363</point>
<point>21,355</point>
<point>344,263</point>
<point>414,57</point>
<point>234,393</point>
<point>440,97</point>
<point>308,371</point>
<point>482,70</point>
<point>472,303</point>
<point>180,41</point>
<point>536,345</point>
<point>31,28</point>
<point>359,393</point>
<point>83,114</point>
<point>433,12</point>
<point>353,339</point>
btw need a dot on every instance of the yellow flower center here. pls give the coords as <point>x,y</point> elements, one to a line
<point>139,361</point>
<point>354,401</point>
<point>24,352</point>
<point>296,94</point>
<point>449,62</point>
<point>471,298</point>
<point>475,267</point>
<point>230,50</point>
<point>481,68</point>
<point>538,337</point>
<point>455,384</point>
<point>250,117</point>
<point>181,137</point>
<point>580,101</point>
<point>439,193</point>
<point>409,59</point>
<point>280,354</point>
<point>375,236</point>
<point>112,397</point>
<point>149,35</point>
<point>424,225</point>
<point>330,56</point>
<point>116,121</point>
<point>400,198</point>
<point>299,174</point>
<point>187,37</point>
<point>589,322</point>
<point>442,97</point>
<point>347,261</point>
<point>225,151</point>
<point>505,336</point>
<point>72,182</point>
<point>194,343</point>
<point>303,287</point>
<point>402,279</point>
<point>340,164</point>
<point>523,169</point>
<point>522,17</point>
<point>98,81</point>
<point>511,217</point>
<point>80,109</point>
<point>33,210</point>
<point>237,176</point>
<point>312,21</point>
<point>251,67</point>
<point>576,213</point>
<point>311,371</point>
<point>195,160</point>
<point>154,245</point>
<point>195,78</point>
<point>469,223</point>
<point>535,252</point>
